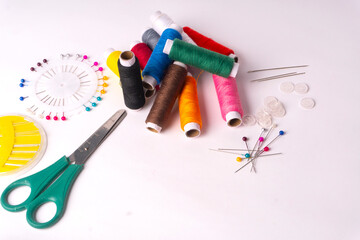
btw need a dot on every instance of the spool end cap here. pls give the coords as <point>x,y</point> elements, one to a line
<point>192,130</point>
<point>233,119</point>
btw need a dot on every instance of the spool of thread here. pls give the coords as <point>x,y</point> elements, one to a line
<point>155,68</point>
<point>129,69</point>
<point>189,109</point>
<point>142,52</point>
<point>150,37</point>
<point>202,58</point>
<point>161,21</point>
<point>112,58</point>
<point>165,99</point>
<point>208,43</point>
<point>229,100</point>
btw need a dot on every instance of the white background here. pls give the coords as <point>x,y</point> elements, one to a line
<point>141,185</point>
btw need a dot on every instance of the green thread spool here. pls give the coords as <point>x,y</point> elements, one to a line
<point>202,58</point>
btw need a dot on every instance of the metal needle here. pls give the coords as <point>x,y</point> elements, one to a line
<point>278,68</point>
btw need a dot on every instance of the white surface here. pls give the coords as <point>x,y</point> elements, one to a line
<point>141,185</point>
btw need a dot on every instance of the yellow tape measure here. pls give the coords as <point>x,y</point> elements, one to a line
<point>22,144</point>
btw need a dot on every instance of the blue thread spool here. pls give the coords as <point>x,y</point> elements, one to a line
<point>158,62</point>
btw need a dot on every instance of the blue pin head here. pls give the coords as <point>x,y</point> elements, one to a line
<point>22,85</point>
<point>93,104</point>
<point>247,155</point>
<point>21,98</point>
<point>22,80</point>
<point>99,98</point>
<point>281,132</point>
<point>87,109</point>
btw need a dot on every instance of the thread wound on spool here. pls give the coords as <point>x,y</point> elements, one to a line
<point>206,42</point>
<point>159,61</point>
<point>143,53</point>
<point>202,58</point>
<point>160,21</point>
<point>131,81</point>
<point>112,58</point>
<point>189,108</point>
<point>150,37</point>
<point>165,99</point>
<point>229,99</point>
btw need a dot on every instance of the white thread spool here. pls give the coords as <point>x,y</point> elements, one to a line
<point>161,21</point>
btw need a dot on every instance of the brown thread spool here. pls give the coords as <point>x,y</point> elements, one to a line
<point>171,86</point>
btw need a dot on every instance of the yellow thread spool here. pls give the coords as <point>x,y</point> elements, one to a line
<point>112,57</point>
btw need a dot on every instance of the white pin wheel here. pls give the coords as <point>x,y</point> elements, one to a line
<point>59,88</point>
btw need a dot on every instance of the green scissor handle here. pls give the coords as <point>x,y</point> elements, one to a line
<point>37,183</point>
<point>57,191</point>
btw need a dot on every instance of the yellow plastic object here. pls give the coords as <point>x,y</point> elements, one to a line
<point>22,144</point>
<point>112,62</point>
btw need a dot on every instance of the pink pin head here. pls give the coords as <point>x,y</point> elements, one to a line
<point>63,118</point>
<point>85,57</point>
<point>101,69</point>
<point>266,149</point>
<point>56,118</point>
<point>48,117</point>
<point>96,63</point>
<point>261,139</point>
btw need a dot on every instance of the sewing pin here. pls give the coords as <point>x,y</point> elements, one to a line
<point>99,69</point>
<point>104,85</point>
<point>262,130</point>
<point>41,115</point>
<point>264,150</point>
<point>23,98</point>
<point>278,68</point>
<point>235,153</point>
<point>84,58</point>
<point>87,108</point>
<point>95,64</point>
<point>280,134</point>
<point>97,98</point>
<point>48,117</point>
<point>63,118</point>
<point>104,78</point>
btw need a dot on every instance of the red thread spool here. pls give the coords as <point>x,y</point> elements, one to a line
<point>142,52</point>
<point>208,43</point>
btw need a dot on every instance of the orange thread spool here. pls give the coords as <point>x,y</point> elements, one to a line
<point>189,109</point>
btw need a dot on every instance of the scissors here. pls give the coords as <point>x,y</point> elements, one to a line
<point>53,183</point>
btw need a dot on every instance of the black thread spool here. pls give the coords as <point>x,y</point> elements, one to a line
<point>131,82</point>
<point>171,87</point>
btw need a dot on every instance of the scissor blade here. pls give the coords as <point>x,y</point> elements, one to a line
<point>89,146</point>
